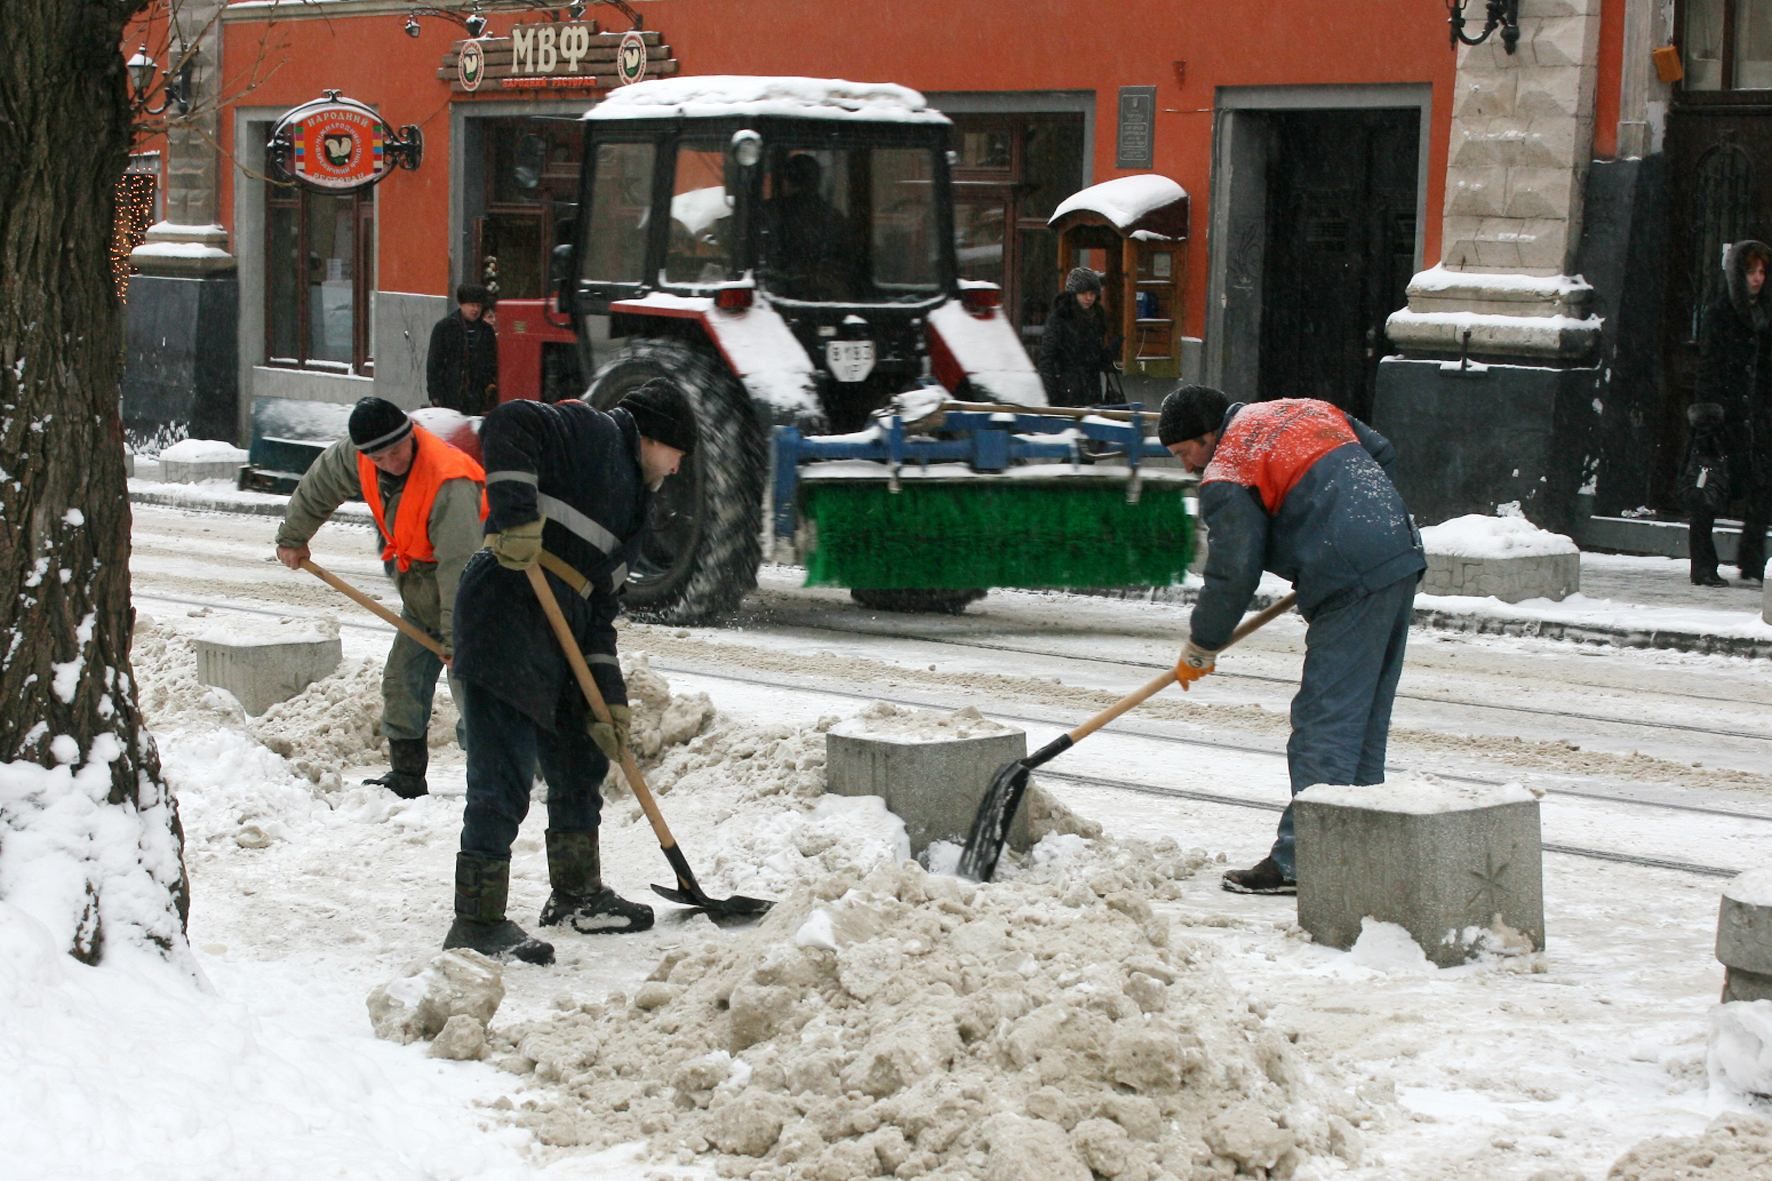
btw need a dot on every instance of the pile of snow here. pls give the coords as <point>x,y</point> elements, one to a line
<point>1736,1147</point>
<point>905,1024</point>
<point>884,722</point>
<point>203,451</point>
<point>717,95</point>
<point>1480,536</point>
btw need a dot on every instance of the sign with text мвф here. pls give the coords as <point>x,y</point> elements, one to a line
<point>556,55</point>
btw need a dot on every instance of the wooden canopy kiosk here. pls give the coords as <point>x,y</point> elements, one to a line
<point>1139,223</point>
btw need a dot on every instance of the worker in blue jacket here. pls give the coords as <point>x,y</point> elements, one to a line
<point>569,487</point>
<point>1301,488</point>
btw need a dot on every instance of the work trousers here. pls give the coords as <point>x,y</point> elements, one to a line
<point>409,679</point>
<point>1341,716</point>
<point>504,746</point>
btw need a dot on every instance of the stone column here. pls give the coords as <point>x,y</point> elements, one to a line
<point>179,376</point>
<point>1498,341</point>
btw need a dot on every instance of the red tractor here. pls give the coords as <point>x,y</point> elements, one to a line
<point>783,249</point>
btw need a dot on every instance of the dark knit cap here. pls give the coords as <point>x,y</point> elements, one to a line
<point>377,424</point>
<point>1082,279</point>
<point>663,414</point>
<point>472,293</point>
<point>1189,412</point>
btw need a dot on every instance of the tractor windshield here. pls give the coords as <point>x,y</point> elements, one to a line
<point>851,225</point>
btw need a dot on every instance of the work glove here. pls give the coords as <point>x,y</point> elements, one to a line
<point>611,737</point>
<point>1195,662</point>
<point>518,547</point>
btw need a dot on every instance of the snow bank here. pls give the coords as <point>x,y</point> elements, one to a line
<point>1480,536</point>
<point>898,1023</point>
<point>203,451</point>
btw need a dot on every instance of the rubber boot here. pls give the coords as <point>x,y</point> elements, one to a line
<point>579,898</point>
<point>409,757</point>
<point>482,886</point>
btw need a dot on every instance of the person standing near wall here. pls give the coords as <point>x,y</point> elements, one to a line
<point>461,366</point>
<point>1073,349</point>
<point>1731,417</point>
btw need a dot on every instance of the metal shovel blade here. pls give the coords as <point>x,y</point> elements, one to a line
<point>688,892</point>
<point>990,825</point>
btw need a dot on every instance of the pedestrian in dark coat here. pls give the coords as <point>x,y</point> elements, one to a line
<point>1073,349</point>
<point>570,488</point>
<point>461,366</point>
<point>1734,388</point>
<point>1301,488</point>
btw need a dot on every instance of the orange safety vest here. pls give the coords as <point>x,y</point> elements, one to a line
<point>433,462</point>
<point>1269,446</point>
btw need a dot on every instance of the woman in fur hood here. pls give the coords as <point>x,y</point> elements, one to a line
<point>1729,452</point>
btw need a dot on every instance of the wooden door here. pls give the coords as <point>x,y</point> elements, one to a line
<point>1341,249</point>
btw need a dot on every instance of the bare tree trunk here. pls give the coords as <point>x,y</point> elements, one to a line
<point>90,843</point>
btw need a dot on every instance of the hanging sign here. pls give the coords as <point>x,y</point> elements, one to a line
<point>338,145</point>
<point>556,55</point>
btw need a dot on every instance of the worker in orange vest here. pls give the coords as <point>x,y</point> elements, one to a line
<point>428,501</point>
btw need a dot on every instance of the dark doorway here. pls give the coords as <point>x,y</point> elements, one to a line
<point>1719,191</point>
<point>1340,223</point>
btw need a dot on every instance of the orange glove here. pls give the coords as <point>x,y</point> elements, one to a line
<point>1194,663</point>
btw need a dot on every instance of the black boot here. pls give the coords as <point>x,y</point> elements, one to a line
<point>410,757</point>
<point>482,885</point>
<point>579,898</point>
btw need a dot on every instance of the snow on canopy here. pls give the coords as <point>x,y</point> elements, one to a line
<point>1128,201</point>
<point>711,95</point>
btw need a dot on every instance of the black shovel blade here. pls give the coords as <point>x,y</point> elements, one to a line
<point>688,892</point>
<point>990,826</point>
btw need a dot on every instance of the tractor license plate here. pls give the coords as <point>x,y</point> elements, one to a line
<point>849,360</point>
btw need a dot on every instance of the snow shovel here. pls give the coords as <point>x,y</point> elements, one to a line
<point>990,827</point>
<point>336,583</point>
<point>688,892</point>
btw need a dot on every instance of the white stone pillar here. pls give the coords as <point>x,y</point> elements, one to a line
<point>189,241</point>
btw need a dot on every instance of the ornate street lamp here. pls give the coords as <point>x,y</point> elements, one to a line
<point>179,92</point>
<point>1502,14</point>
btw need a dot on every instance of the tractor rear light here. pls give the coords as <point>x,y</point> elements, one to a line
<point>734,299</point>
<point>981,301</point>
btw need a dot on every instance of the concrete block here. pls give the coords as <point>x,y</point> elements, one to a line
<point>1543,576</point>
<point>1744,937</point>
<point>195,460</point>
<point>931,769</point>
<point>262,664</point>
<point>1450,865</point>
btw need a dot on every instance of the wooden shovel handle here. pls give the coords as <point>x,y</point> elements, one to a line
<point>362,600</point>
<point>1266,615</point>
<point>581,671</point>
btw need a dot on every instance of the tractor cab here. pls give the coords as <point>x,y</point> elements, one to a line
<point>782,249</point>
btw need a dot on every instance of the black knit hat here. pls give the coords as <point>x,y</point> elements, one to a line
<point>663,414</point>
<point>1189,412</point>
<point>1082,279</point>
<point>377,424</point>
<point>472,293</point>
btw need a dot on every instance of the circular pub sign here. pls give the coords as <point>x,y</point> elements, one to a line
<point>630,58</point>
<point>339,144</point>
<point>470,65</point>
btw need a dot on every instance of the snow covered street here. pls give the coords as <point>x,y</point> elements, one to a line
<point>626,1059</point>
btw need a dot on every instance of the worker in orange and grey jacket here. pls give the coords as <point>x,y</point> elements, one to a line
<point>428,501</point>
<point>1303,489</point>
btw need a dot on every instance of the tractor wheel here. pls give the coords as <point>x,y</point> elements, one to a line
<point>932,602</point>
<point>701,554</point>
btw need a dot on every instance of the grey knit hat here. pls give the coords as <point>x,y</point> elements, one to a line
<point>1189,412</point>
<point>1082,279</point>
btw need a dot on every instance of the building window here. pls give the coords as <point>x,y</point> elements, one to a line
<point>530,172</point>
<point>1012,172</point>
<point>319,276</point>
<point>1726,44</point>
